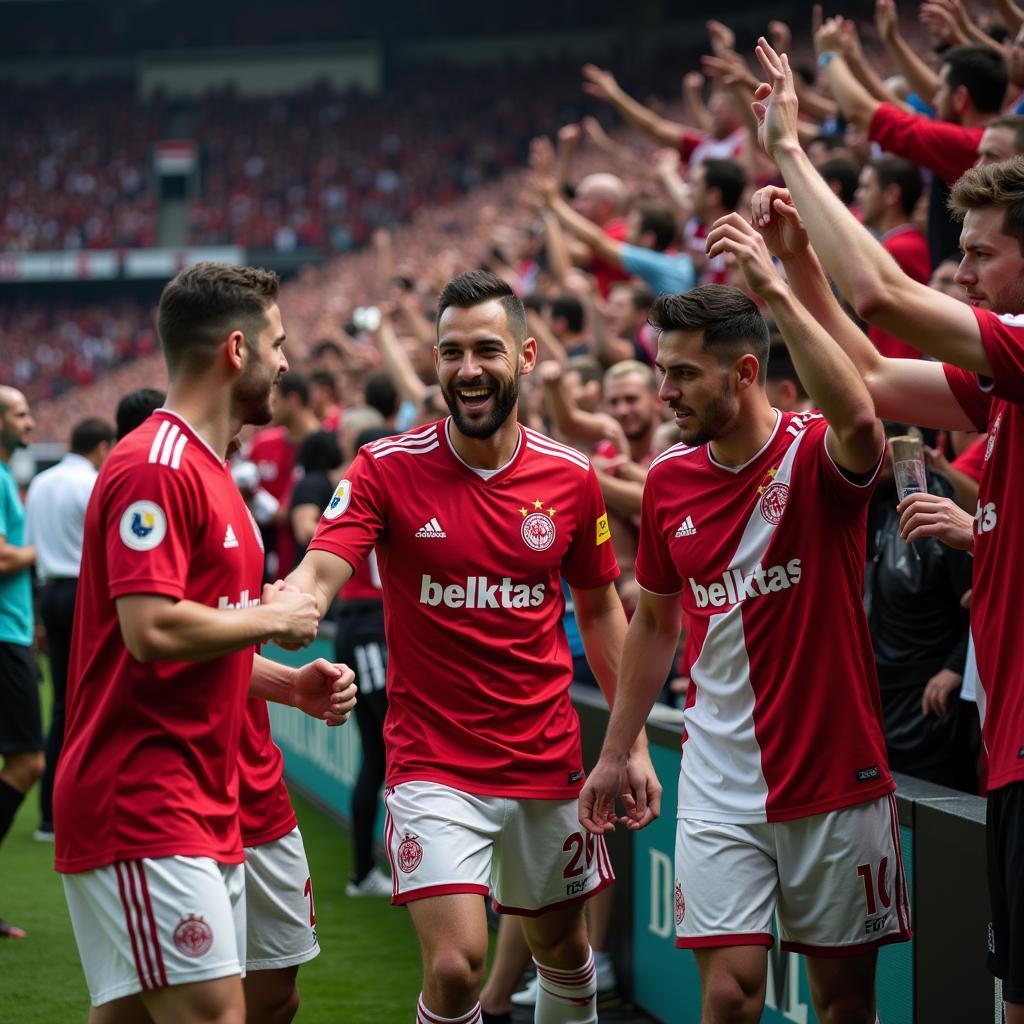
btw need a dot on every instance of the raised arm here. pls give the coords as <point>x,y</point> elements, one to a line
<point>855,102</point>
<point>909,390</point>
<point>920,77</point>
<point>602,85</point>
<point>855,438</point>
<point>866,274</point>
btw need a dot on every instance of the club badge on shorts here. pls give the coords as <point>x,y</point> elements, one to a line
<point>193,937</point>
<point>410,853</point>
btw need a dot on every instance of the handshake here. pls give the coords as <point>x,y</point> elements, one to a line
<point>294,617</point>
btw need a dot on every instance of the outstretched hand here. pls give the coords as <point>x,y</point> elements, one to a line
<point>775,103</point>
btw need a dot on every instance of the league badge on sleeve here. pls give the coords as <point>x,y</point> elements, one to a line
<point>339,500</point>
<point>143,525</point>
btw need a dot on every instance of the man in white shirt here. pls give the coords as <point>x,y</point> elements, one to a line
<point>54,520</point>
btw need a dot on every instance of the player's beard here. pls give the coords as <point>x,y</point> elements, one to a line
<point>505,397</point>
<point>11,438</point>
<point>251,395</point>
<point>718,416</point>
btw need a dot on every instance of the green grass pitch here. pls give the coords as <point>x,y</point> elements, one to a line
<point>368,971</point>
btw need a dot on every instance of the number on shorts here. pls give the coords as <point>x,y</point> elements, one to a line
<point>864,870</point>
<point>308,893</point>
<point>582,847</point>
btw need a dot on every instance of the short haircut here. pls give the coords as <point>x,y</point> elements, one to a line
<point>325,379</point>
<point>320,452</point>
<point>202,305</point>
<point>588,368</point>
<point>135,408</point>
<point>660,220</point>
<point>380,393</point>
<point>630,368</point>
<point>640,293</point>
<point>1015,122</point>
<point>729,178</point>
<point>88,434</point>
<point>474,288</point>
<point>728,319</point>
<point>780,366</point>
<point>293,383</point>
<point>1000,185</point>
<point>570,309</point>
<point>982,71</point>
<point>894,170</point>
<point>846,172</point>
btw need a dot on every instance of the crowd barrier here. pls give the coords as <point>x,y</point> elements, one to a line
<point>938,978</point>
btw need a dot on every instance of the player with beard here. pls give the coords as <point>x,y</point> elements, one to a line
<point>754,526</point>
<point>475,521</point>
<point>977,383</point>
<point>146,799</point>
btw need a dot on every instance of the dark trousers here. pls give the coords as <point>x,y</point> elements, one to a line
<point>57,609</point>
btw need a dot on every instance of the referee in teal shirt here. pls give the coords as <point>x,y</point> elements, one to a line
<point>21,726</point>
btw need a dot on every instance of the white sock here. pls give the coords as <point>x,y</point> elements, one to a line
<point>425,1016</point>
<point>567,996</point>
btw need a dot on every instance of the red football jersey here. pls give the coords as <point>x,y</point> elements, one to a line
<point>996,405</point>
<point>365,582</point>
<point>478,662</point>
<point>150,760</point>
<point>783,719</point>
<point>274,455</point>
<point>264,808</point>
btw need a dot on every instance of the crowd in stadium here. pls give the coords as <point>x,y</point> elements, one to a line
<point>744,196</point>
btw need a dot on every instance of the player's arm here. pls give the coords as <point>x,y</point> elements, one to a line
<point>602,625</point>
<point>159,628</point>
<point>908,390</point>
<point>866,274</point>
<point>321,575</point>
<point>855,102</point>
<point>647,654</point>
<point>321,689</point>
<point>854,438</point>
<point>14,558</point>
<point>602,85</point>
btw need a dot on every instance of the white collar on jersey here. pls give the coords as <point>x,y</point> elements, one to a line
<point>195,433</point>
<point>485,474</point>
<point>755,456</point>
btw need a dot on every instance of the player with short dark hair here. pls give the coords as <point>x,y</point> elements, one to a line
<point>754,527</point>
<point>135,408</point>
<point>475,520</point>
<point>162,667</point>
<point>976,383</point>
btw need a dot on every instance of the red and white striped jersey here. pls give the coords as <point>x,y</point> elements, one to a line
<point>783,719</point>
<point>478,662</point>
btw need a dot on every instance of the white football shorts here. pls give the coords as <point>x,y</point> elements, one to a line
<point>835,879</point>
<point>145,924</point>
<point>280,920</point>
<point>529,855</point>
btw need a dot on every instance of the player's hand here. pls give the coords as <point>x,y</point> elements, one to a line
<point>597,798</point>
<point>722,38</point>
<point>693,81</point>
<point>928,515</point>
<point>542,155</point>
<point>941,686</point>
<point>325,691</point>
<point>641,795</point>
<point>550,372</point>
<point>296,618</point>
<point>780,35</point>
<point>775,103</point>
<point>828,37</point>
<point>778,223</point>
<point>570,136</point>
<point>731,234</point>
<point>600,83</point>
<point>886,20</point>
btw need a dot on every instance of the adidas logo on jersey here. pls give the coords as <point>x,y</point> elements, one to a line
<point>230,540</point>
<point>686,528</point>
<point>431,529</point>
<point>735,587</point>
<point>480,592</point>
